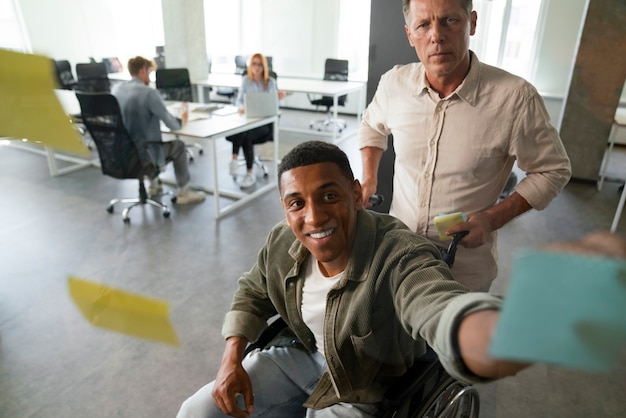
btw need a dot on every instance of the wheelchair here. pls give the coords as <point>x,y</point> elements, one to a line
<point>426,390</point>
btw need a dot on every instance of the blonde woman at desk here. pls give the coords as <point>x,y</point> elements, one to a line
<point>257,80</point>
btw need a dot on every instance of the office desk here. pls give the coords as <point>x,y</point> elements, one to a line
<point>296,85</point>
<point>215,127</point>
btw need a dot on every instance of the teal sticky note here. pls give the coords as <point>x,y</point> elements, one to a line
<point>563,309</point>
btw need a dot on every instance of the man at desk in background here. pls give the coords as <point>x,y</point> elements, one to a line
<point>458,126</point>
<point>142,109</point>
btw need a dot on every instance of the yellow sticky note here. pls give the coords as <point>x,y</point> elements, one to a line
<point>121,311</point>
<point>445,221</point>
<point>29,109</point>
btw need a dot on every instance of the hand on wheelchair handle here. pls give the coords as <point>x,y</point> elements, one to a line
<point>448,254</point>
<point>375,200</point>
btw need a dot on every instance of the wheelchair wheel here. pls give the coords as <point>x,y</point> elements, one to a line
<point>451,399</point>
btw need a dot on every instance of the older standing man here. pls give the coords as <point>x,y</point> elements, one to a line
<point>458,126</point>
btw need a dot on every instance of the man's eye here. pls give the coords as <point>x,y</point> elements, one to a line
<point>295,204</point>
<point>330,196</point>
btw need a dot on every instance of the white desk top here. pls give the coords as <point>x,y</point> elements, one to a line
<point>288,84</point>
<point>208,125</point>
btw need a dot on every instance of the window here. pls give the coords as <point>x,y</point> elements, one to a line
<point>299,36</point>
<point>507,34</point>
<point>12,35</point>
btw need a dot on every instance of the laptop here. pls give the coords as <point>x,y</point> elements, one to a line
<point>260,105</point>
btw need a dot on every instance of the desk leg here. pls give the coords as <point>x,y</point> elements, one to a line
<point>607,154</point>
<point>216,190</point>
<point>335,116</point>
<point>618,212</point>
<point>200,89</point>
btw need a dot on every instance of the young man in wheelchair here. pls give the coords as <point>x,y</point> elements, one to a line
<point>361,292</point>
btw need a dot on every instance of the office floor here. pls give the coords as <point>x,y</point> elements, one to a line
<point>53,363</point>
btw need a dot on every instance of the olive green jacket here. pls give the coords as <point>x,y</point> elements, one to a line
<point>394,297</point>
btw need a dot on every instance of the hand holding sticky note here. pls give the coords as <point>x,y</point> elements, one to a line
<point>445,221</point>
<point>564,309</point>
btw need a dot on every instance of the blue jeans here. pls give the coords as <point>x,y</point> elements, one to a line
<point>282,379</point>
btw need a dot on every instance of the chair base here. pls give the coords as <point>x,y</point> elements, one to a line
<point>190,154</point>
<point>143,199</point>
<point>137,202</point>
<point>258,163</point>
<point>323,124</point>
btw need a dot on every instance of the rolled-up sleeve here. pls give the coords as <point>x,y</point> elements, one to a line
<point>540,153</point>
<point>446,334</point>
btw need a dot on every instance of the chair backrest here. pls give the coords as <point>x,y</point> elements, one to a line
<point>113,65</point>
<point>336,70</point>
<point>118,153</point>
<point>93,78</point>
<point>64,75</point>
<point>241,64</point>
<point>174,84</point>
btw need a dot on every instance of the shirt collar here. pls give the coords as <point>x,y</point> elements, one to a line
<point>466,91</point>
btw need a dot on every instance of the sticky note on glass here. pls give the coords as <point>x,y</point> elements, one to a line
<point>29,109</point>
<point>445,221</point>
<point>563,309</point>
<point>121,311</point>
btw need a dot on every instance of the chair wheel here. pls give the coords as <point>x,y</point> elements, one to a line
<point>127,220</point>
<point>166,214</point>
<point>110,209</point>
<point>191,159</point>
<point>201,152</point>
<point>174,200</point>
<point>266,175</point>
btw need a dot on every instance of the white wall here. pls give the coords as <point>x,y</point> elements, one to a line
<point>557,51</point>
<point>78,29</point>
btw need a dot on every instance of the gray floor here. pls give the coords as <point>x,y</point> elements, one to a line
<point>53,363</point>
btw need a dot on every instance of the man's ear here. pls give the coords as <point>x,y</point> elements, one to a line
<point>358,195</point>
<point>408,35</point>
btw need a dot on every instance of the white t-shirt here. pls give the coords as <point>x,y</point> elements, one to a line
<point>316,287</point>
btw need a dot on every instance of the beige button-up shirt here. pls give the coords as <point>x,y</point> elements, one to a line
<point>456,153</point>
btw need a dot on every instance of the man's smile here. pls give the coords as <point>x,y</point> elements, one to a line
<point>321,234</point>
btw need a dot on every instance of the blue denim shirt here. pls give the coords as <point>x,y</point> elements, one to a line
<point>249,86</point>
<point>142,110</point>
<point>394,297</point>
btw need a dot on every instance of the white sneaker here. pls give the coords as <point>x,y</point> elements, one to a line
<point>248,181</point>
<point>232,168</point>
<point>187,196</point>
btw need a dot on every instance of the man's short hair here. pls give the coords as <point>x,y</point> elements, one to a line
<point>315,152</point>
<point>136,64</point>
<point>406,7</point>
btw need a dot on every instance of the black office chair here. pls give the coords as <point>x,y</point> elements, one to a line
<point>334,70</point>
<point>92,78</point>
<point>241,66</point>
<point>64,76</point>
<point>174,84</point>
<point>113,65</point>
<point>119,156</point>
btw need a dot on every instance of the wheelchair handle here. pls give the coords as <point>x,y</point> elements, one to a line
<point>376,199</point>
<point>448,254</point>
